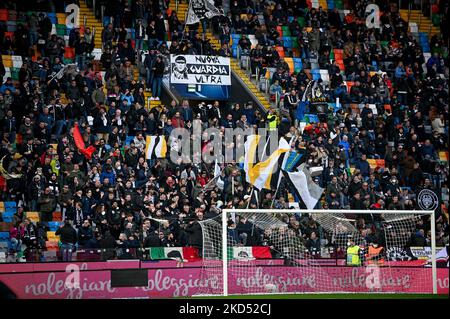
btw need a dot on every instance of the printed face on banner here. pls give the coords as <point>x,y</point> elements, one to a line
<point>200,69</point>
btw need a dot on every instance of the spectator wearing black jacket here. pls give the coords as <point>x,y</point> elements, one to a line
<point>86,235</point>
<point>68,238</point>
<point>158,72</point>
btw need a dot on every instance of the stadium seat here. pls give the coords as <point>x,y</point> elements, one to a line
<point>4,235</point>
<point>61,29</point>
<point>52,17</point>
<point>287,42</point>
<point>7,217</point>
<point>51,245</point>
<point>61,17</point>
<point>33,216</point>
<point>69,53</point>
<point>330,4</point>
<point>57,216</point>
<point>286,31</point>
<point>53,226</point>
<point>280,51</point>
<point>3,15</point>
<point>10,204</point>
<point>51,236</point>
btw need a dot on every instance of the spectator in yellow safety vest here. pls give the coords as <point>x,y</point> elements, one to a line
<point>353,258</point>
<point>272,119</point>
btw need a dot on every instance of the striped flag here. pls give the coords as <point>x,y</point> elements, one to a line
<point>304,187</point>
<point>260,174</point>
<point>155,147</point>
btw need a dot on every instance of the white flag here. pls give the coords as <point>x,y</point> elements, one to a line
<point>305,187</point>
<point>199,9</point>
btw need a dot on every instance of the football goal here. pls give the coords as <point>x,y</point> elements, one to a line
<point>272,251</point>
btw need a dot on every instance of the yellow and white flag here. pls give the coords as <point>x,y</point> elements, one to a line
<point>260,174</point>
<point>155,147</point>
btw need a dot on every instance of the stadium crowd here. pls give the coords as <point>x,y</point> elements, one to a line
<point>113,198</point>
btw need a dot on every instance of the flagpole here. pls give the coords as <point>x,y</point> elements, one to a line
<point>185,24</point>
<point>280,177</point>
<point>253,186</point>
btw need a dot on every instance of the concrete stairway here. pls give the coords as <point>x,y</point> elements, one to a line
<point>423,22</point>
<point>91,21</point>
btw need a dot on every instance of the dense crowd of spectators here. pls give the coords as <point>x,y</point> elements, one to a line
<point>114,197</point>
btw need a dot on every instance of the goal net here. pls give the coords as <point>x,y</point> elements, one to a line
<point>322,251</point>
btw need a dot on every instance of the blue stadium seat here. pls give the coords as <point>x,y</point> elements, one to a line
<point>10,210</point>
<point>287,42</point>
<point>10,204</point>
<point>330,4</point>
<point>52,17</point>
<point>4,235</point>
<point>53,226</point>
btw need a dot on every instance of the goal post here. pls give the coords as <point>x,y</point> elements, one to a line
<point>340,257</point>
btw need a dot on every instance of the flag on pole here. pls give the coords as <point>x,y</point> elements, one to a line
<point>283,164</point>
<point>260,174</point>
<point>155,147</point>
<point>292,161</point>
<point>216,180</point>
<point>199,9</point>
<point>304,187</point>
<point>87,152</point>
<point>5,173</point>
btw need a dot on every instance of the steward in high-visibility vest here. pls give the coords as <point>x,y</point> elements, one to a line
<point>272,118</point>
<point>374,255</point>
<point>353,254</point>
